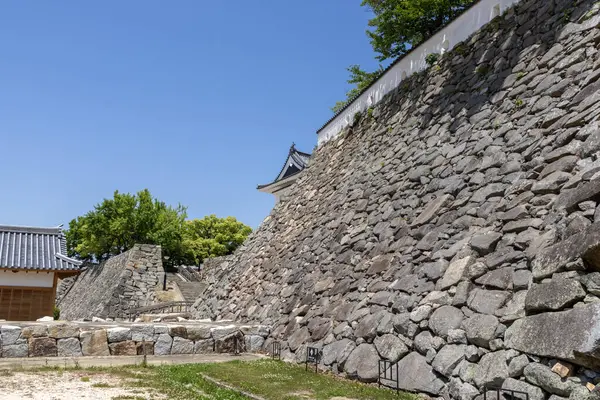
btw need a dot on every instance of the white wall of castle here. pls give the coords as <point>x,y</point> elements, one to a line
<point>457,31</point>
<point>26,278</point>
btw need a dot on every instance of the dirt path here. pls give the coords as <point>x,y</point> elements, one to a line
<point>63,385</point>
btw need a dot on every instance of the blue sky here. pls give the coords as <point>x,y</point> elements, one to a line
<point>197,101</point>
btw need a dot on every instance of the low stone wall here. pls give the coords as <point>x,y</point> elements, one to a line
<point>75,339</point>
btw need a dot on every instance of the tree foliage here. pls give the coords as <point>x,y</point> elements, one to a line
<point>361,80</point>
<point>396,27</point>
<point>212,237</point>
<point>116,224</point>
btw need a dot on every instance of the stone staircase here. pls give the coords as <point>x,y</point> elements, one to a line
<point>190,290</point>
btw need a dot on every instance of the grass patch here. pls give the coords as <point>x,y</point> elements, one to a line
<point>275,380</point>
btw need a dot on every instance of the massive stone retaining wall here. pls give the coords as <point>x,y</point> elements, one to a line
<point>76,339</point>
<point>119,284</point>
<point>453,228</point>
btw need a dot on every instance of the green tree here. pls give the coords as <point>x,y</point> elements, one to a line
<point>361,80</point>
<point>397,26</point>
<point>212,237</point>
<point>116,224</point>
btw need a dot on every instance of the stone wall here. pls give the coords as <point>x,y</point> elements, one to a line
<point>109,289</point>
<point>453,228</point>
<point>72,339</point>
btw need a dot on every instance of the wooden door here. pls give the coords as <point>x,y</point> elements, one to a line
<point>25,303</point>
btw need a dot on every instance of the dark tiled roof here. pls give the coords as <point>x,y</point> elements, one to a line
<point>295,163</point>
<point>31,248</point>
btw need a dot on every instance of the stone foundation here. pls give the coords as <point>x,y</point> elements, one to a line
<point>76,339</point>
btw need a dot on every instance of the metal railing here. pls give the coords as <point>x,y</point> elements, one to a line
<point>169,307</point>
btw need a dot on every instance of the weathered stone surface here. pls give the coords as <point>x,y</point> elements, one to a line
<point>362,363</point>
<point>254,343</point>
<point>487,301</point>
<point>116,286</point>
<point>68,347</point>
<point>491,369</point>
<point>501,278</point>
<point>15,350</point>
<point>544,335</point>
<point>198,332</point>
<point>123,348</point>
<point>390,347</point>
<point>118,334</point>
<point>142,332</point>
<point>432,209</point>
<point>486,243</point>
<point>62,331</point>
<point>535,393</point>
<point>94,343</point>
<point>516,366</point>
<point>42,347</point>
<point>541,375</point>
<point>448,358</point>
<point>204,346</point>
<point>554,295</point>
<point>444,319</point>
<point>162,346</point>
<point>231,343</point>
<point>299,337</point>
<point>428,382</point>
<point>182,346</point>
<point>34,331</point>
<point>454,272</point>
<point>10,334</point>
<point>480,329</point>
<point>556,257</point>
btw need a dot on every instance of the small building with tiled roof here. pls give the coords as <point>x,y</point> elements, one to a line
<point>31,262</point>
<point>290,172</point>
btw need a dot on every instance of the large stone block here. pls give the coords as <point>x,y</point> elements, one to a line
<point>68,347</point>
<point>198,332</point>
<point>118,334</point>
<point>231,343</point>
<point>491,370</point>
<point>421,377</point>
<point>42,347</point>
<point>94,343</point>
<point>363,363</point>
<point>123,348</point>
<point>62,331</point>
<point>455,272</point>
<point>182,346</point>
<point>445,318</point>
<point>554,258</point>
<point>10,334</point>
<point>432,209</point>
<point>15,350</point>
<point>572,335</point>
<point>163,344</point>
<point>480,329</point>
<point>204,346</point>
<point>554,295</point>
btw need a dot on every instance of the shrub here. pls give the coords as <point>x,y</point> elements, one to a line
<point>56,313</point>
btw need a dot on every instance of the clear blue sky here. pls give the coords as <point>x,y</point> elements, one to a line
<point>197,101</point>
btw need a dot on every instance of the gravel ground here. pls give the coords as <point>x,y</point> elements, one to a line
<point>68,385</point>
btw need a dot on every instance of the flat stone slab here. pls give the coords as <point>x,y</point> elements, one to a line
<point>572,335</point>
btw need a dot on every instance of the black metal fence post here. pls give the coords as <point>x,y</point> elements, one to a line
<point>276,351</point>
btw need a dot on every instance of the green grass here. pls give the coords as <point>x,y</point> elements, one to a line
<point>275,380</point>
<point>272,380</point>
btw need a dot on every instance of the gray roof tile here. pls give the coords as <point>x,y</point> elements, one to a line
<point>35,249</point>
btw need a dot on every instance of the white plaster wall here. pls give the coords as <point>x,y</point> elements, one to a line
<point>29,279</point>
<point>457,31</point>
